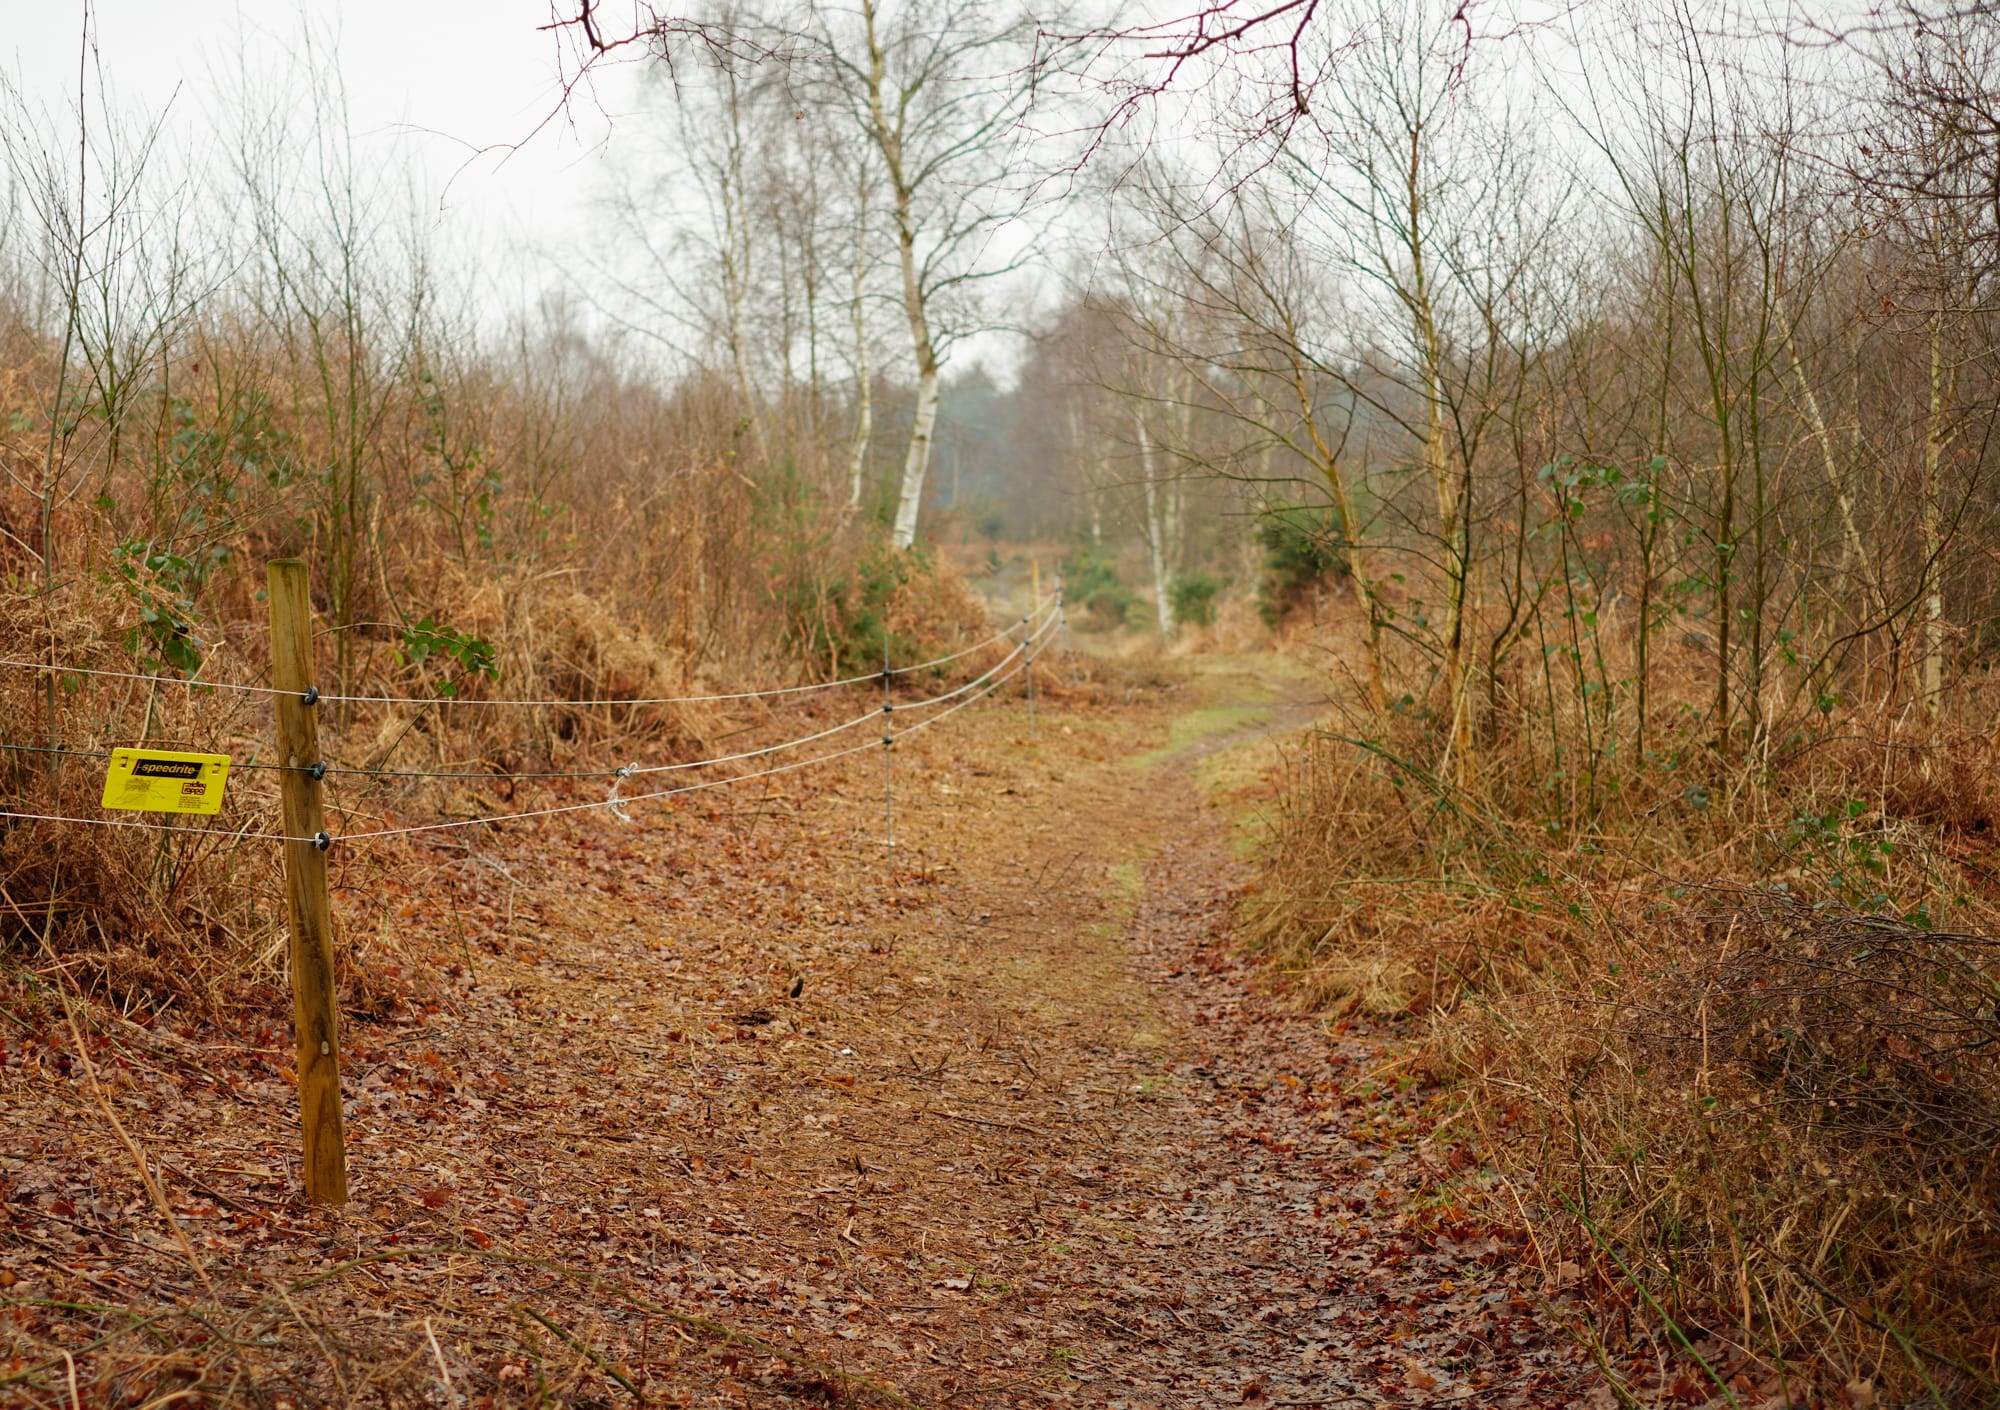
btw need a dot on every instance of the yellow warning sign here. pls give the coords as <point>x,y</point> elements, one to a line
<point>161,781</point>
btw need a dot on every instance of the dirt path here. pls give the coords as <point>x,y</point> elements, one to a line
<point>1027,1134</point>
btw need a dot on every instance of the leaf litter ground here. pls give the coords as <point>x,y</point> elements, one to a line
<point>710,1110</point>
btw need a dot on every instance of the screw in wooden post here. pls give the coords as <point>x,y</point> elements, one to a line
<point>315,1015</point>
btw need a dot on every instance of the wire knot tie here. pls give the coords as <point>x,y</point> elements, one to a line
<point>618,782</point>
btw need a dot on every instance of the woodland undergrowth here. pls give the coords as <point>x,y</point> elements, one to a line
<point>1727,1024</point>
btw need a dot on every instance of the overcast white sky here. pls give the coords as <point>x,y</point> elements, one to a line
<point>450,76</point>
<point>448,84</point>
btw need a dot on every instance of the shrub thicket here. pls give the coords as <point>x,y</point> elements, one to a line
<point>1304,548</point>
<point>1090,578</point>
<point>1191,599</point>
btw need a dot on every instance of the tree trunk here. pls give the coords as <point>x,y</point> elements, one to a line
<point>1932,666</point>
<point>864,392</point>
<point>736,271</point>
<point>1854,554</point>
<point>1454,512</point>
<point>888,141</point>
<point>917,463</point>
<point>1343,505</point>
<point>1155,530</point>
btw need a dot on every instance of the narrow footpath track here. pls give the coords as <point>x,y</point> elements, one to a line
<point>709,1110</point>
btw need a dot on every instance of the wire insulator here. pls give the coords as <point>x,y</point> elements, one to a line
<point>317,772</point>
<point>322,841</point>
<point>311,696</point>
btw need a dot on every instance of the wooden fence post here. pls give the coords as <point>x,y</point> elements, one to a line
<point>315,1015</point>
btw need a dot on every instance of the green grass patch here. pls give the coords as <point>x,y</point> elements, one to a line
<point>1198,726</point>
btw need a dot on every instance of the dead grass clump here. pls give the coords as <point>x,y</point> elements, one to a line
<point>1857,1024</point>
<point>1772,1128</point>
<point>1386,890</point>
<point>143,917</point>
<point>152,921</point>
<point>1945,778</point>
<point>933,610</point>
<point>538,641</point>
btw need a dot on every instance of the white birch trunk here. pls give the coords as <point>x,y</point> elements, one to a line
<point>889,141</point>
<point>1932,670</point>
<point>1155,530</point>
<point>864,391</point>
<point>917,463</point>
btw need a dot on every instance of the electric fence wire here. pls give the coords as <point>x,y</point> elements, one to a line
<point>627,771</point>
<point>617,803</point>
<point>1025,645</point>
<point>870,677</point>
<point>591,773</point>
<point>230,832</point>
<point>989,678</point>
<point>48,669</point>
<point>234,765</point>
<point>314,697</point>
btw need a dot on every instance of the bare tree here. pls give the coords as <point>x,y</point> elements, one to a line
<point>340,294</point>
<point>1930,180</point>
<point>937,92</point>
